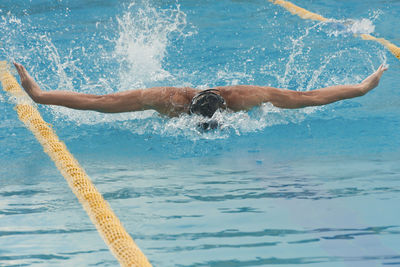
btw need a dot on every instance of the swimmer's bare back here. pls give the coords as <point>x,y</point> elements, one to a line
<point>173,101</point>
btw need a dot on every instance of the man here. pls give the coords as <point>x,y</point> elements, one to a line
<point>174,101</point>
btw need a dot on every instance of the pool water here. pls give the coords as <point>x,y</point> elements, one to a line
<point>313,186</point>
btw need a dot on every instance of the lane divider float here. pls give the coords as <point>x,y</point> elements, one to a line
<point>305,14</point>
<point>107,223</point>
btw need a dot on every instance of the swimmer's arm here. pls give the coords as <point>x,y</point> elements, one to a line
<point>109,103</point>
<point>289,99</point>
<point>293,99</point>
<point>244,97</point>
<point>132,100</point>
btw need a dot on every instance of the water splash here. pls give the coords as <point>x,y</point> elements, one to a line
<point>141,47</point>
<point>354,26</point>
<point>294,70</point>
<point>230,123</point>
<point>330,59</point>
<point>351,26</point>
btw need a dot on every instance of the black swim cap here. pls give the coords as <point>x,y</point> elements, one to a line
<point>206,103</point>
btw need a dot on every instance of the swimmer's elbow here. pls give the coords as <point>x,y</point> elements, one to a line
<point>104,104</point>
<point>114,103</point>
<point>360,90</point>
<point>39,98</point>
<point>293,99</point>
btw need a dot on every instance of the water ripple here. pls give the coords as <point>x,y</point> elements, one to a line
<point>37,256</point>
<point>232,233</point>
<point>214,246</point>
<point>27,193</point>
<point>22,211</point>
<point>301,260</point>
<point>44,232</point>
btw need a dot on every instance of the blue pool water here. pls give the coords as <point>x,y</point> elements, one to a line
<point>313,186</point>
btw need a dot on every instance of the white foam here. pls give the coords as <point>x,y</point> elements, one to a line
<point>236,123</point>
<point>363,26</point>
<point>351,26</point>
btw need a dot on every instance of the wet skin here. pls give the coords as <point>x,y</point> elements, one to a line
<point>173,101</point>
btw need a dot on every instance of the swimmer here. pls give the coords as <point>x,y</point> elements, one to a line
<point>173,101</point>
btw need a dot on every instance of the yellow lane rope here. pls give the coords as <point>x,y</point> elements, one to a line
<point>108,225</point>
<point>305,14</point>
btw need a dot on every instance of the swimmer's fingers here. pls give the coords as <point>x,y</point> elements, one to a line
<point>23,74</point>
<point>382,68</point>
<point>19,69</point>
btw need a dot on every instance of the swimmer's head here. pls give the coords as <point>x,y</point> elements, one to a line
<point>206,103</point>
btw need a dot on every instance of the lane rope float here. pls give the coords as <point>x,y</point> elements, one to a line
<point>107,223</point>
<point>305,14</point>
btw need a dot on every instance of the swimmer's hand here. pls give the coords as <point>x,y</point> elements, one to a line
<point>372,81</point>
<point>28,83</point>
